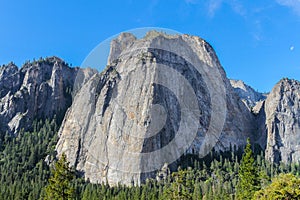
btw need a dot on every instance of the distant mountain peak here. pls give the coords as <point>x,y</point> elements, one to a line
<point>248,95</point>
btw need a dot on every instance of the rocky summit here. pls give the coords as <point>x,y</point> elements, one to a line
<point>160,97</point>
<point>40,89</point>
<point>249,96</point>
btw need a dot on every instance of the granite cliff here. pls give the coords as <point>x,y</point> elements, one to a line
<point>38,90</point>
<point>122,121</point>
<point>282,124</point>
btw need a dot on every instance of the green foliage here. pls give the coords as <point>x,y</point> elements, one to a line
<point>285,187</point>
<point>248,175</point>
<point>182,186</point>
<point>59,186</point>
<point>23,172</point>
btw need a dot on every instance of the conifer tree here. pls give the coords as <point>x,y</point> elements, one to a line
<point>181,187</point>
<point>248,175</point>
<point>59,187</point>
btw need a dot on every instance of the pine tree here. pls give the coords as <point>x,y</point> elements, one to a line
<point>59,187</point>
<point>197,192</point>
<point>181,187</point>
<point>248,175</point>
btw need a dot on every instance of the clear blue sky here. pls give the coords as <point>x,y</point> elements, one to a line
<point>256,41</point>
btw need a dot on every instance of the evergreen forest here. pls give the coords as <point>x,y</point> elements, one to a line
<point>29,170</point>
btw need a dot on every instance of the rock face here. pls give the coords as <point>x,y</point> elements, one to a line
<point>249,96</point>
<point>282,113</point>
<point>159,97</point>
<point>277,119</point>
<point>40,89</point>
